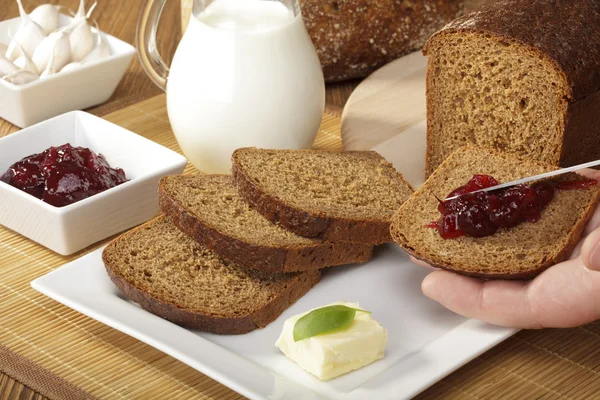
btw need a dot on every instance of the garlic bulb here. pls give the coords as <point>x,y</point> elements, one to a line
<point>20,77</point>
<point>102,50</point>
<point>6,67</point>
<point>24,62</point>
<point>56,47</point>
<point>71,66</point>
<point>29,35</point>
<point>46,16</point>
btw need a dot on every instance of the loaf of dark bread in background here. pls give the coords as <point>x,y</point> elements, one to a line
<point>355,37</point>
<point>520,76</point>
<point>520,252</point>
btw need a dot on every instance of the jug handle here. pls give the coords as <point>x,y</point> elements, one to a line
<point>145,41</point>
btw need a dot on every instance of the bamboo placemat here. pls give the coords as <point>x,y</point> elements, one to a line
<point>548,364</point>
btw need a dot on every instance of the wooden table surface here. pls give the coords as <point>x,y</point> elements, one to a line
<point>119,18</point>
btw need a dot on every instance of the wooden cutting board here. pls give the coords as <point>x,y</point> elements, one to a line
<point>390,101</point>
<point>386,104</point>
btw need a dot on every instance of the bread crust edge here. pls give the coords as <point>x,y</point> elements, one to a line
<point>195,320</point>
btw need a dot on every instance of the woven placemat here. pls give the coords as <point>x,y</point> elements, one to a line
<point>59,348</point>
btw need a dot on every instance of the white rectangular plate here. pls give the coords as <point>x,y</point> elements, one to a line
<point>426,342</point>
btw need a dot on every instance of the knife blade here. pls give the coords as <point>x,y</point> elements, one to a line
<point>533,178</point>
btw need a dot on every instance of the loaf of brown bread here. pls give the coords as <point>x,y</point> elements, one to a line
<point>209,209</point>
<point>349,196</point>
<point>170,275</point>
<point>520,76</point>
<point>519,252</point>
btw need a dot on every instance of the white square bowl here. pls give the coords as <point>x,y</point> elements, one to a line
<point>69,229</point>
<point>90,85</point>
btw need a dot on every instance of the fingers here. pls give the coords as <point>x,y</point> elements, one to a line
<point>593,223</point>
<point>590,173</point>
<point>502,303</point>
<point>566,295</point>
<point>595,220</point>
<point>576,251</point>
<point>590,251</point>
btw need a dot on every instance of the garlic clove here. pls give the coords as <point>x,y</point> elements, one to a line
<point>71,66</point>
<point>81,10</point>
<point>47,16</point>
<point>24,62</point>
<point>3,49</point>
<point>82,40</point>
<point>56,47</point>
<point>51,68</point>
<point>102,49</point>
<point>20,77</point>
<point>6,67</point>
<point>80,14</point>
<point>29,35</point>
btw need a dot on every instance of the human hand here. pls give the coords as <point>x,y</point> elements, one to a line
<point>565,295</point>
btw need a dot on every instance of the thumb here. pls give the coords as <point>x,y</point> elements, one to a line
<point>590,251</point>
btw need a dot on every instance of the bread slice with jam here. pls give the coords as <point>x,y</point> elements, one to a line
<point>519,252</point>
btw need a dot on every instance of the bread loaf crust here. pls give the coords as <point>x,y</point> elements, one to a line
<point>354,38</point>
<point>212,323</point>
<point>312,225</point>
<point>565,32</point>
<point>268,259</point>
<point>582,131</point>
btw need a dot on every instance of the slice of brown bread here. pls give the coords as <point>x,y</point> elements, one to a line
<point>209,209</point>
<point>348,196</point>
<point>176,278</point>
<point>520,252</point>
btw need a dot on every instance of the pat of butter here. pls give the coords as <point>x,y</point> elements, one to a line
<point>333,354</point>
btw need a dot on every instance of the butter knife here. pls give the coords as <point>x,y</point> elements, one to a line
<point>533,178</point>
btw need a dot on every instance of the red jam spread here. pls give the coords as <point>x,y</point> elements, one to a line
<point>63,175</point>
<point>482,214</point>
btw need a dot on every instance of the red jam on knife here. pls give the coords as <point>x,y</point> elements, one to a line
<point>482,214</point>
<point>63,175</point>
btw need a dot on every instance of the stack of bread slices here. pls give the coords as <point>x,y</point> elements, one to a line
<point>231,253</point>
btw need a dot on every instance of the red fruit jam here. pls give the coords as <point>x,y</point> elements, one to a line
<point>63,175</point>
<point>482,214</point>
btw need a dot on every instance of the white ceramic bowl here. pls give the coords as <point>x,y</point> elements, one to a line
<point>88,86</point>
<point>71,228</point>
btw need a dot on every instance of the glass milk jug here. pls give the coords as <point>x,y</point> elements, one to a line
<point>244,74</point>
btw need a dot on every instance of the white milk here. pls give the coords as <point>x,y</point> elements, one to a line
<point>244,74</point>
